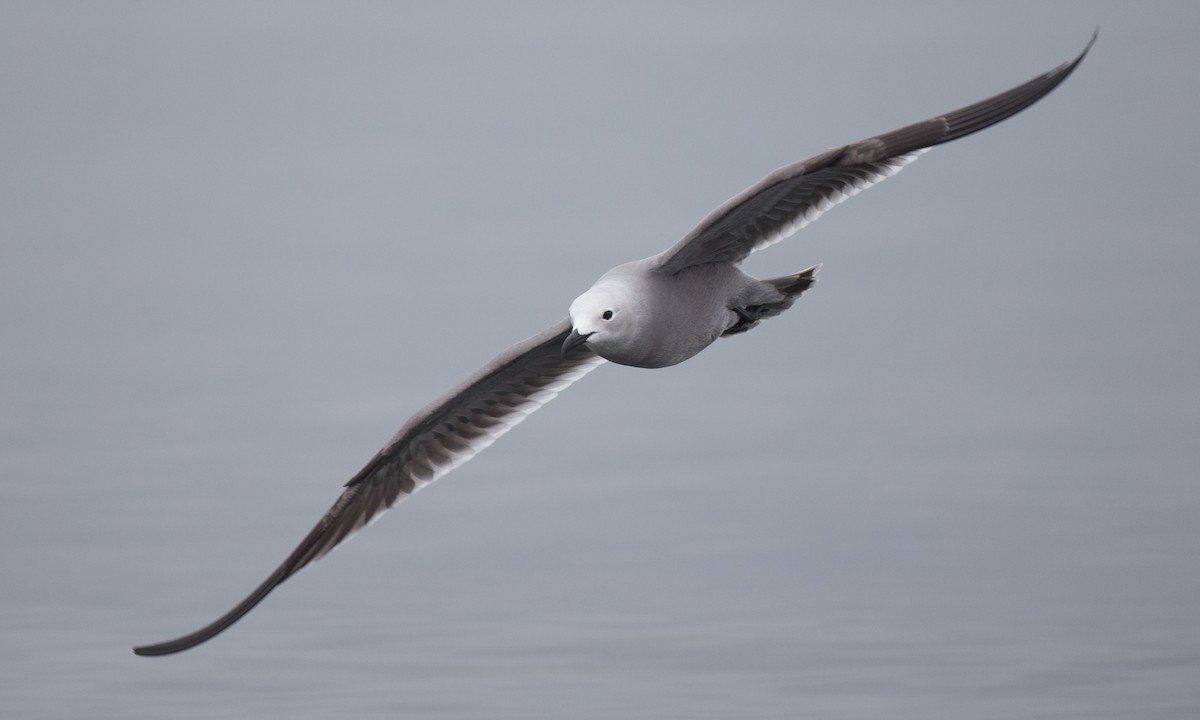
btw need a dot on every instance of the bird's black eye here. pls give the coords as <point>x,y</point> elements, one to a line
<point>607,314</point>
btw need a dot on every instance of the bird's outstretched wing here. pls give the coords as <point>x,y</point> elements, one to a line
<point>443,435</point>
<point>796,194</point>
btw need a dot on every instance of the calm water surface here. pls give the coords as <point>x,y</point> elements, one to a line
<point>240,244</point>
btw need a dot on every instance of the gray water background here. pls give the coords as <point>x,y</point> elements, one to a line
<point>241,243</point>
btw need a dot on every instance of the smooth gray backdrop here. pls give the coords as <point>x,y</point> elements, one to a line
<point>241,242</point>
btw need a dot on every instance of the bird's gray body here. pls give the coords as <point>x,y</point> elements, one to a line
<point>649,313</point>
<point>676,315</point>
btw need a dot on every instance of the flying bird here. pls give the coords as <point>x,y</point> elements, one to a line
<point>649,313</point>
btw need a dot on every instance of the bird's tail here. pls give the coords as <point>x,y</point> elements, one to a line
<point>793,285</point>
<point>789,288</point>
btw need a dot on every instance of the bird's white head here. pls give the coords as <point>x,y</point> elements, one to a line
<point>606,317</point>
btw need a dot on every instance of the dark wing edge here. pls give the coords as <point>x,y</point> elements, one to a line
<point>797,194</point>
<point>442,436</point>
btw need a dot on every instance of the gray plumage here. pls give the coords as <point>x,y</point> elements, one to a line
<point>649,313</point>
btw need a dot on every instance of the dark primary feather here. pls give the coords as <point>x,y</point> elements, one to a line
<point>444,434</point>
<point>796,194</point>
